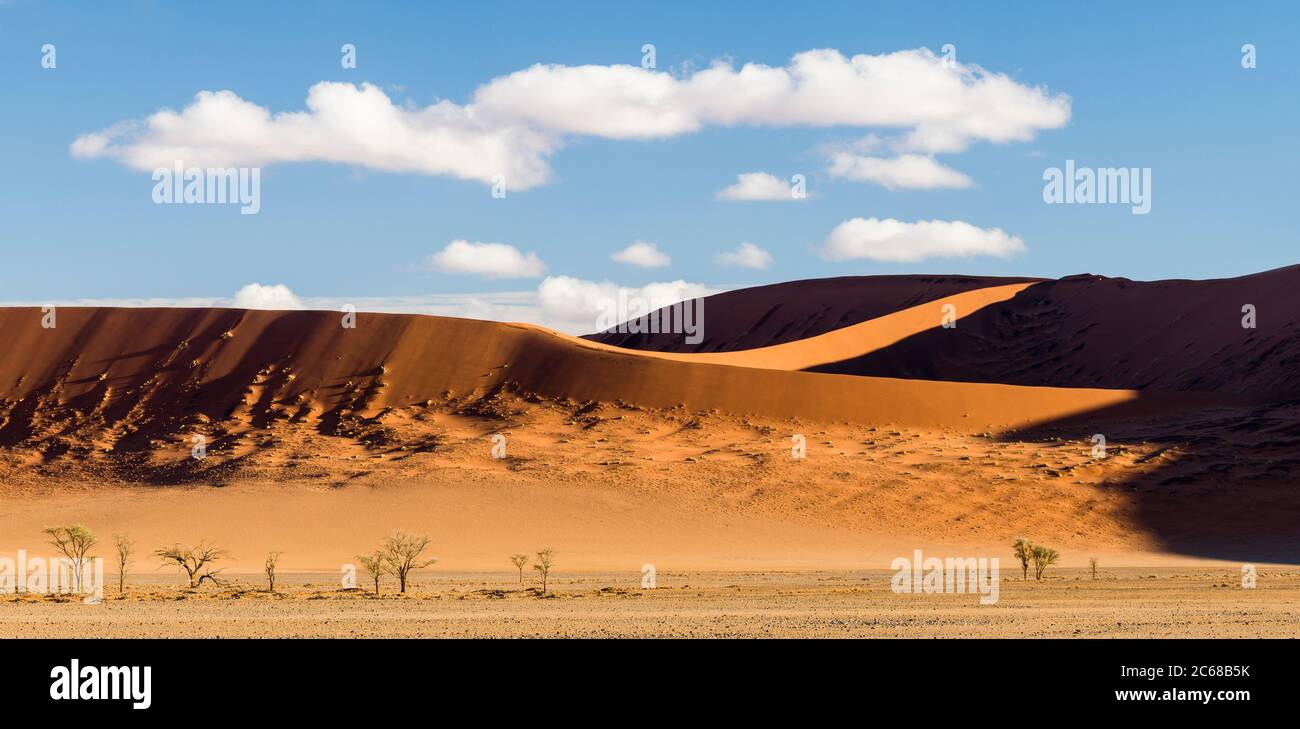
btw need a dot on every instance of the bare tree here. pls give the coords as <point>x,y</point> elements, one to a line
<point>545,559</point>
<point>520,561</point>
<point>1092,564</point>
<point>1025,553</point>
<point>124,549</point>
<point>402,553</point>
<point>75,542</point>
<point>271,559</point>
<point>196,561</point>
<point>1043,558</point>
<point>375,565</point>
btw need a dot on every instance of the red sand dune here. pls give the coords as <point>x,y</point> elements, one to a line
<point>127,375</point>
<point>1079,331</point>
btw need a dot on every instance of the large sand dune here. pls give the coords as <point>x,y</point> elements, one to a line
<point>322,437</point>
<point>123,375</point>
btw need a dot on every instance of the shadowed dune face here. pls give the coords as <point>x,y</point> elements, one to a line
<point>1088,331</point>
<point>1210,482</point>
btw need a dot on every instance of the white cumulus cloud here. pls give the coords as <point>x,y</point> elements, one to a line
<point>577,305</point>
<point>907,171</point>
<point>491,260</point>
<point>942,106</point>
<point>258,296</point>
<point>513,124</point>
<point>746,255</point>
<point>895,241</point>
<point>343,123</point>
<point>758,186</point>
<point>643,254</point>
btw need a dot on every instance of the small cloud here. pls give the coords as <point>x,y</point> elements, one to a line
<point>257,296</point>
<point>645,255</point>
<point>491,260</point>
<point>747,255</point>
<point>758,186</point>
<point>908,171</point>
<point>895,241</point>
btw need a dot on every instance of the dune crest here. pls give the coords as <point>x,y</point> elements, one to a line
<point>855,340</point>
<point>762,316</point>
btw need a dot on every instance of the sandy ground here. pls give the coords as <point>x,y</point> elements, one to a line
<point>1120,603</point>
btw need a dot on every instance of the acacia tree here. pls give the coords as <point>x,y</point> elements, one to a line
<point>1043,558</point>
<point>196,561</point>
<point>271,560</point>
<point>1025,553</point>
<point>402,553</point>
<point>124,548</point>
<point>545,559</point>
<point>375,565</point>
<point>75,542</point>
<point>520,561</point>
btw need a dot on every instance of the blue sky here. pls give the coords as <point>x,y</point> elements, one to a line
<point>1147,86</point>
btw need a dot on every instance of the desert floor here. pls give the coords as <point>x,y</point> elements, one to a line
<point>1123,602</point>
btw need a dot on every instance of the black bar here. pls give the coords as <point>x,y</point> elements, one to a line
<point>303,678</point>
